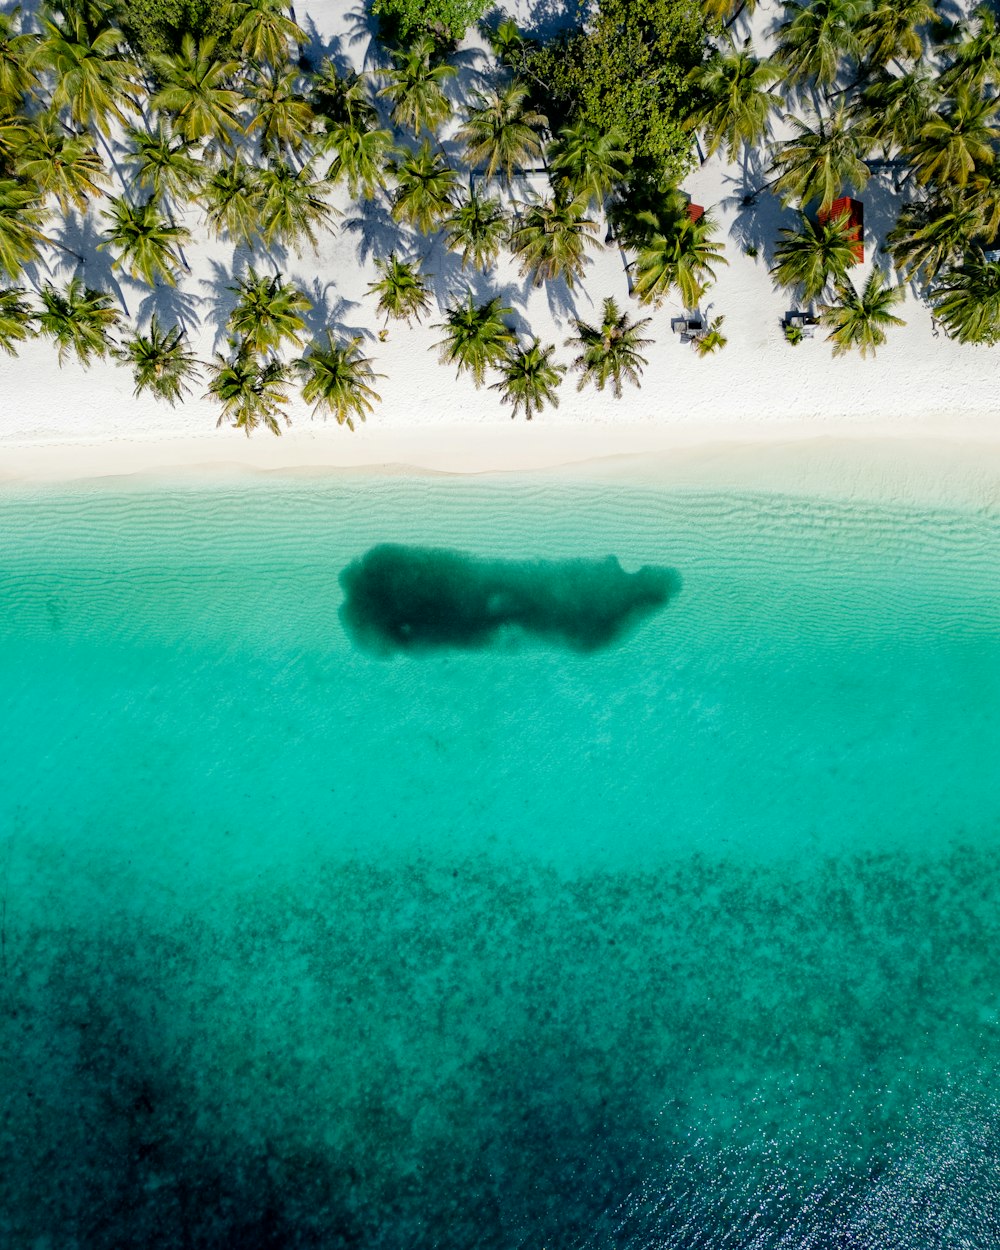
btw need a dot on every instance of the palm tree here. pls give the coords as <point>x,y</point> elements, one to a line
<point>163,164</point>
<point>414,87</point>
<point>890,30</point>
<point>21,218</point>
<point>264,33</point>
<point>931,234</point>
<point>976,61</point>
<point>892,109</point>
<point>267,313</point>
<point>195,90</point>
<point>675,251</point>
<point>611,351</point>
<point>78,319</point>
<point>161,362</point>
<point>17,74</point>
<point>232,203</point>
<point>251,392</point>
<point>737,102</point>
<point>502,132</point>
<point>359,156</point>
<point>822,161</point>
<point>814,254</point>
<point>281,114</point>
<point>529,379</point>
<point>967,300</point>
<point>815,36</point>
<point>956,141</point>
<point>477,228</point>
<point>725,12</point>
<point>15,319</point>
<point>341,99</point>
<point>861,320</point>
<point>587,162</point>
<point>292,204</point>
<point>476,336</point>
<point>402,292</point>
<point>424,187</point>
<point>550,240</point>
<point>339,380</point>
<point>144,240</point>
<point>63,165</point>
<point>91,79</point>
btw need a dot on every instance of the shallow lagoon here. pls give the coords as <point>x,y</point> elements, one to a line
<point>689,940</point>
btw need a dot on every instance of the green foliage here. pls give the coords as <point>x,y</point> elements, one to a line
<point>161,362</point>
<point>529,379</point>
<point>967,301</point>
<point>626,73</point>
<point>610,351</point>
<point>338,380</point>
<point>861,320</point>
<point>158,26</point>
<point>712,339</point>
<point>446,21</point>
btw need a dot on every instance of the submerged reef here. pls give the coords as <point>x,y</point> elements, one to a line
<point>401,598</point>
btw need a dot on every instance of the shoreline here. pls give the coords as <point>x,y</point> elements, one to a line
<point>939,463</point>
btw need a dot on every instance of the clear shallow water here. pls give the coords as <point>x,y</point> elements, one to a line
<point>692,941</point>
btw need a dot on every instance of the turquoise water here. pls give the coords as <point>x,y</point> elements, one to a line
<point>691,939</point>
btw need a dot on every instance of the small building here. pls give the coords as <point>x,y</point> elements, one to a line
<point>695,211</point>
<point>854,211</point>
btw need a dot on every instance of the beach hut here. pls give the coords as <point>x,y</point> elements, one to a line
<point>854,211</point>
<point>695,211</point>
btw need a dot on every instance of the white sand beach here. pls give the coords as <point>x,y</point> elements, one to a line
<point>922,389</point>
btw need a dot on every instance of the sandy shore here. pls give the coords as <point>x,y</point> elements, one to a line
<point>921,415</point>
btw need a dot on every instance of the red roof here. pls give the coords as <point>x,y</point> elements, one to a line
<point>854,211</point>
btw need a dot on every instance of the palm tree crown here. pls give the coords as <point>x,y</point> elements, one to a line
<point>587,163</point>
<point>611,350</point>
<point>79,319</point>
<point>673,251</point>
<point>65,166</point>
<point>738,102</point>
<point>92,80</point>
<point>501,133</point>
<point>195,90</point>
<point>144,240</point>
<point>529,379</point>
<point>814,37</point>
<point>476,336</point>
<point>251,392</point>
<point>957,140</point>
<point>861,320</point>
<point>268,312</point>
<point>339,380</point>
<point>478,229</point>
<point>550,241</point>
<point>15,319</point>
<point>424,187</point>
<point>402,292</point>
<point>161,362</point>
<point>822,161</point>
<point>414,87</point>
<point>814,254</point>
<point>967,300</point>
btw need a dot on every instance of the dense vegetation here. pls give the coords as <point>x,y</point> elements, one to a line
<point>126,112</point>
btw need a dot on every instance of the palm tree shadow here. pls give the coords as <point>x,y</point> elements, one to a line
<point>882,204</point>
<point>328,313</point>
<point>760,214</point>
<point>80,235</point>
<point>549,18</point>
<point>221,297</point>
<point>363,29</point>
<point>378,234</point>
<point>319,49</point>
<point>561,298</point>
<point>171,306</point>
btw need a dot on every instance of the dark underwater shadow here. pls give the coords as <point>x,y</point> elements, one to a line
<point>419,599</point>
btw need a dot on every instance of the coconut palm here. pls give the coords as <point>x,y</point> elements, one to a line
<point>861,320</point>
<point>814,254</point>
<point>63,165</point>
<point>586,162</point>
<point>281,114</point>
<point>293,204</point>
<point>501,131</point>
<point>675,252</point>
<point>195,90</point>
<point>341,99</point>
<point>509,45</point>
<point>725,12</point>
<point>477,228</point>
<point>476,336</point>
<point>15,132</point>
<point>163,164</point>
<point>91,78</point>
<point>15,319</point>
<point>931,234</point>
<point>161,361</point>
<point>251,392</point>
<point>956,141</point>
<point>892,108</point>
<point>822,161</point>
<point>267,313</point>
<point>264,32</point>
<point>232,202</point>
<point>359,156</point>
<point>890,30</point>
<point>550,241</point>
<point>611,350</point>
<point>814,38</point>
<point>401,290</point>
<point>424,187</point>
<point>736,100</point>
<point>17,73</point>
<point>529,379</point>
<point>143,240</point>
<point>414,87</point>
<point>78,319</point>
<point>21,217</point>
<point>975,61</point>
<point>967,300</point>
<point>338,380</point>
